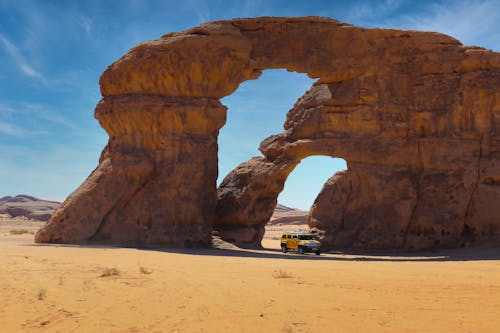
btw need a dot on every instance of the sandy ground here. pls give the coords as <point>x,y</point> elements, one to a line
<point>50,288</point>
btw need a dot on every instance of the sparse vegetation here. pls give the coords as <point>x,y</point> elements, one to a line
<point>383,321</point>
<point>145,270</point>
<point>41,294</point>
<point>110,271</point>
<point>280,274</point>
<point>20,231</point>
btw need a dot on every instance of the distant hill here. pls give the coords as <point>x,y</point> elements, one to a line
<point>39,209</point>
<point>28,206</point>
<point>287,215</point>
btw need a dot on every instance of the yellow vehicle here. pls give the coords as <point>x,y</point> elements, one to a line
<point>300,242</point>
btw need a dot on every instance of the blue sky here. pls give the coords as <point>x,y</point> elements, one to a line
<point>53,52</point>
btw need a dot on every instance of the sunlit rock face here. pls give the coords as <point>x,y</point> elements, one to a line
<point>416,115</point>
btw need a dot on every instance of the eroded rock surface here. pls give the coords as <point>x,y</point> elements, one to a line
<point>142,192</point>
<point>416,115</point>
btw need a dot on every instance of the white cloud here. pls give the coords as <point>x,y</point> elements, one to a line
<point>50,173</point>
<point>252,7</point>
<point>11,130</point>
<point>29,71</point>
<point>33,117</point>
<point>200,8</point>
<point>367,12</point>
<point>474,22</point>
<point>6,109</point>
<point>44,112</point>
<point>11,48</point>
<point>19,59</point>
<point>86,24</point>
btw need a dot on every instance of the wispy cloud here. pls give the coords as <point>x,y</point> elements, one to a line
<point>11,48</point>
<point>252,7</point>
<point>29,71</point>
<point>52,172</point>
<point>45,34</point>
<point>6,110</point>
<point>472,22</point>
<point>11,130</point>
<point>200,8</point>
<point>86,24</point>
<point>19,59</point>
<point>34,118</point>
<point>44,112</point>
<point>367,12</point>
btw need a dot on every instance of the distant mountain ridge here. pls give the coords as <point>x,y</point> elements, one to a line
<point>40,209</point>
<point>23,198</point>
<point>27,206</point>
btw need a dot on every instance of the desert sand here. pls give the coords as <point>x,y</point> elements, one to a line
<point>61,288</point>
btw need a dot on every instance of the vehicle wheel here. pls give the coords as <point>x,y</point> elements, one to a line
<point>318,252</point>
<point>301,250</point>
<point>283,248</point>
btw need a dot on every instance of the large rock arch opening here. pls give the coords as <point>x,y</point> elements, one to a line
<point>415,114</point>
<point>256,110</point>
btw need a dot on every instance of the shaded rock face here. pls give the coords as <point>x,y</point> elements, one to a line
<point>416,115</point>
<point>142,192</point>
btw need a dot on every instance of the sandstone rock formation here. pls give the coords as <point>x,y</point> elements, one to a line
<point>416,115</point>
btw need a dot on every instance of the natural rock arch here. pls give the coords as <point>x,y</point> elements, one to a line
<point>415,114</point>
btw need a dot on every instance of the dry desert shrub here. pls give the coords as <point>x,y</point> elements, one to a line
<point>280,274</point>
<point>109,271</point>
<point>145,270</point>
<point>20,232</point>
<point>41,294</point>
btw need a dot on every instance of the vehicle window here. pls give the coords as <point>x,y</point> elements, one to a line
<point>306,237</point>
<point>288,236</point>
<point>295,237</point>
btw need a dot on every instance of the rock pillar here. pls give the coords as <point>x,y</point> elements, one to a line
<point>161,151</point>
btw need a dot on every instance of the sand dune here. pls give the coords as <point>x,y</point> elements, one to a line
<point>284,219</point>
<point>51,288</point>
<point>286,215</point>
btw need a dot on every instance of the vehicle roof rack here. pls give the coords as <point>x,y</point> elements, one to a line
<point>298,232</point>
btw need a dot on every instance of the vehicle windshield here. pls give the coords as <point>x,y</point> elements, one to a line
<point>306,237</point>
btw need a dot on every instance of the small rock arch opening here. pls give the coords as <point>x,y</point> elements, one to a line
<point>299,193</point>
<point>306,180</point>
